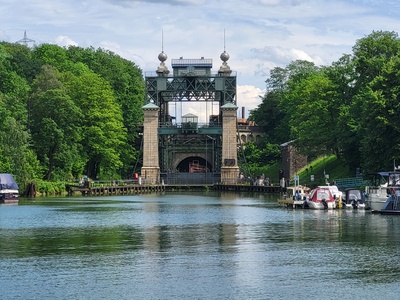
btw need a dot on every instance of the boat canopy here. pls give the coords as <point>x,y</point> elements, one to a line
<point>321,193</point>
<point>7,182</point>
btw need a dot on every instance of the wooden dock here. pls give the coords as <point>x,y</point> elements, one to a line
<point>290,203</point>
<point>113,189</point>
<point>131,188</point>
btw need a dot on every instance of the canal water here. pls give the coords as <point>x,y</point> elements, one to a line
<point>194,246</point>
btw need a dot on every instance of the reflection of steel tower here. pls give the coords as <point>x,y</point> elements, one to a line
<point>190,151</point>
<point>25,41</point>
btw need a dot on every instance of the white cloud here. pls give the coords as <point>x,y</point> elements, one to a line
<point>282,55</point>
<point>64,41</point>
<point>248,96</point>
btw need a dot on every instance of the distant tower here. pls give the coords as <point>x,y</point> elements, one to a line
<point>25,41</point>
<point>229,167</point>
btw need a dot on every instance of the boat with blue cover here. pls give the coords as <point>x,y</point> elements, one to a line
<point>9,191</point>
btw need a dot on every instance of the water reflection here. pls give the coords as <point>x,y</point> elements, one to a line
<point>204,246</point>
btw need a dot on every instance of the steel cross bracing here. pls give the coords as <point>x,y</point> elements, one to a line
<point>167,89</point>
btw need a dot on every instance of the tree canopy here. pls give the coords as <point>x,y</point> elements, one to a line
<point>68,112</point>
<point>349,108</point>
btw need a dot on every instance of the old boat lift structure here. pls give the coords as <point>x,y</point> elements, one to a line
<point>177,147</point>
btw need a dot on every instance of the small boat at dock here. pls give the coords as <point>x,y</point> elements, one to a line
<point>9,192</point>
<point>353,198</point>
<point>378,191</point>
<point>321,198</point>
<point>392,204</point>
<point>294,196</point>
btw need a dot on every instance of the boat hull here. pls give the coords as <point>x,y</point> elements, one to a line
<point>354,205</point>
<point>9,196</point>
<point>320,205</point>
<point>376,201</point>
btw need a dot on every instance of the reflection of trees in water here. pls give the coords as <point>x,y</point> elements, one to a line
<point>66,241</point>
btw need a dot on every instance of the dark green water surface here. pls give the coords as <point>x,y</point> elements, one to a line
<point>194,246</point>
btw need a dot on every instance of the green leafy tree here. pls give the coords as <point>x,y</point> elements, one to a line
<point>313,124</point>
<point>372,52</point>
<point>379,103</point>
<point>22,62</point>
<point>126,80</point>
<point>55,125</point>
<point>17,158</point>
<point>376,101</point>
<point>52,55</point>
<point>343,77</point>
<point>102,124</point>
<point>13,87</point>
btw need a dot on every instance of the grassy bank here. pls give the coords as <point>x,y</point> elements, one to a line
<point>328,166</point>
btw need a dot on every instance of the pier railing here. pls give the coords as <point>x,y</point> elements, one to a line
<point>343,183</point>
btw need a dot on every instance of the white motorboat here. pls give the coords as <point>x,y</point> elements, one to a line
<point>337,195</point>
<point>353,198</point>
<point>321,198</point>
<point>392,205</point>
<point>377,191</point>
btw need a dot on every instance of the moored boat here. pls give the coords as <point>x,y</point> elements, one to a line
<point>378,190</point>
<point>9,192</point>
<point>321,198</point>
<point>353,198</point>
<point>392,204</point>
<point>294,196</point>
<point>337,195</point>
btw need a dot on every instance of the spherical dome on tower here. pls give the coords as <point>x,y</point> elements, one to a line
<point>162,56</point>
<point>224,56</point>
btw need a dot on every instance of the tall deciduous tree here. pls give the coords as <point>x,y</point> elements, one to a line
<point>102,124</point>
<point>343,77</point>
<point>371,54</point>
<point>127,82</point>
<point>55,125</point>
<point>376,59</point>
<point>313,123</point>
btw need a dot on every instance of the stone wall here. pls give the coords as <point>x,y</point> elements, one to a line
<point>292,161</point>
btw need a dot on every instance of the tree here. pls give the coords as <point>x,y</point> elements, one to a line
<point>343,77</point>
<point>13,87</point>
<point>17,158</point>
<point>52,55</point>
<point>379,104</point>
<point>55,125</point>
<point>126,80</point>
<point>371,54</point>
<point>376,100</point>
<point>313,124</point>
<point>103,133</point>
<point>22,62</point>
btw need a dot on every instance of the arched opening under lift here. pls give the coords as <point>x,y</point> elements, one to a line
<point>194,164</point>
<point>192,170</point>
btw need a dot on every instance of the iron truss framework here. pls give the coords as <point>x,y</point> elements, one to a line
<point>196,87</point>
<point>214,87</point>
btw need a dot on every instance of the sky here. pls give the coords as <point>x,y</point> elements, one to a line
<point>258,35</point>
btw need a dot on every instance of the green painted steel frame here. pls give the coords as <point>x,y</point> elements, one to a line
<point>161,90</point>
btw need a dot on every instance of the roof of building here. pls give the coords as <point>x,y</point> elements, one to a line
<point>188,62</point>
